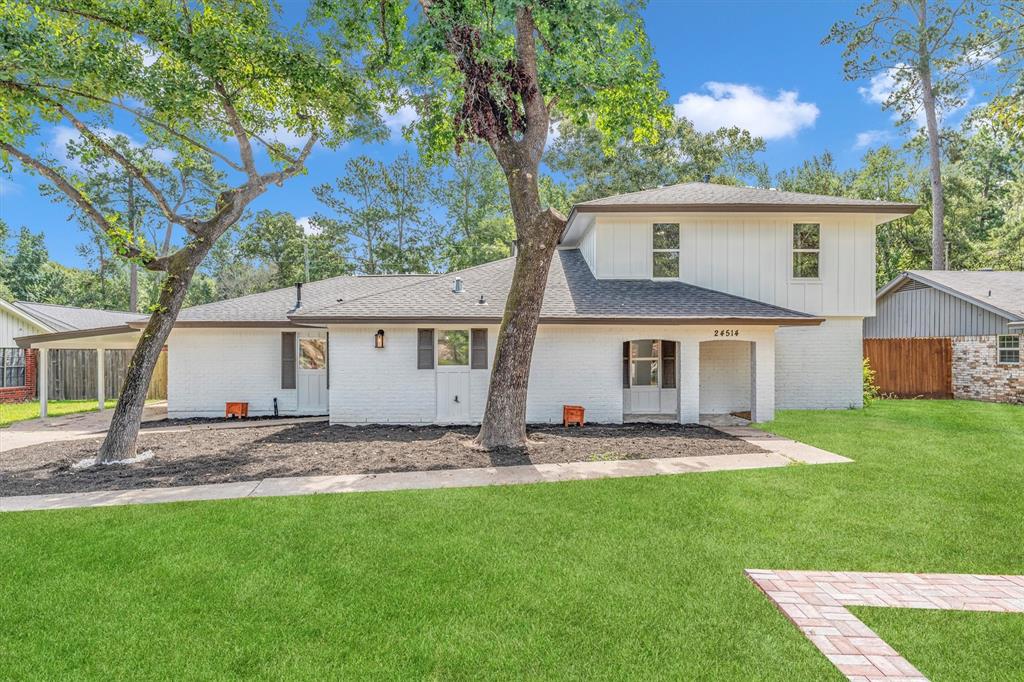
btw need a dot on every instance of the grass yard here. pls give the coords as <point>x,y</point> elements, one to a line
<point>19,412</point>
<point>609,579</point>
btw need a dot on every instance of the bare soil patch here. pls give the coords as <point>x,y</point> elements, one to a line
<point>312,449</point>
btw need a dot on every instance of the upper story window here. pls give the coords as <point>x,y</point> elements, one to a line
<point>1008,348</point>
<point>666,250</point>
<point>806,250</point>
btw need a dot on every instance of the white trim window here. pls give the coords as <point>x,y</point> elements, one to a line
<point>453,348</point>
<point>665,252</point>
<point>1008,349</point>
<point>806,251</point>
<point>12,367</point>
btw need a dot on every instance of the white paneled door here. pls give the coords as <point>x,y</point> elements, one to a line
<point>453,376</point>
<point>311,373</point>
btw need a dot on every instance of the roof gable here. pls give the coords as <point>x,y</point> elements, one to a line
<point>998,291</point>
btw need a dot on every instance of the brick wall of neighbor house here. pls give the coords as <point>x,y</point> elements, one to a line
<point>209,367</point>
<point>977,375</point>
<point>18,394</point>
<point>819,367</point>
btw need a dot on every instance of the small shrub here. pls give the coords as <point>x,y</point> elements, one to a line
<point>871,393</point>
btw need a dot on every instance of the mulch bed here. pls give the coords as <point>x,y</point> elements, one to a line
<point>310,449</point>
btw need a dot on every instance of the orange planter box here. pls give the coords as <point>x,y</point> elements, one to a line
<point>240,410</point>
<point>572,414</point>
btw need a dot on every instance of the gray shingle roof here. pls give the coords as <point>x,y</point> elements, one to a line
<point>1001,289</point>
<point>572,294</point>
<point>706,196</point>
<point>64,318</point>
<point>274,306</point>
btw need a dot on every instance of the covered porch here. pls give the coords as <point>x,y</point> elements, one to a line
<point>699,374</point>
<point>86,357</point>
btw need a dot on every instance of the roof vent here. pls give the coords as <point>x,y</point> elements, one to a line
<point>707,178</point>
<point>482,301</point>
<point>457,286</point>
<point>298,295</point>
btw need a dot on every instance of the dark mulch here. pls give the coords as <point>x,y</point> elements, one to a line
<point>308,449</point>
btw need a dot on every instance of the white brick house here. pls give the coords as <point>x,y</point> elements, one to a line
<point>681,301</point>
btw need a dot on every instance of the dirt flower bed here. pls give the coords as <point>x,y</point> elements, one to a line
<point>315,448</point>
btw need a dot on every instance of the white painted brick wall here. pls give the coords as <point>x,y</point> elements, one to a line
<point>576,365</point>
<point>724,377</point>
<point>820,367</point>
<point>209,367</point>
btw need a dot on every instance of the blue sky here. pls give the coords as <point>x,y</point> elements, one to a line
<point>758,64</point>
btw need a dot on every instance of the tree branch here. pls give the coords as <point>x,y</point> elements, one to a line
<point>244,145</point>
<point>51,174</point>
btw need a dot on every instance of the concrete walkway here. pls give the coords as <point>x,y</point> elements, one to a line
<point>783,452</point>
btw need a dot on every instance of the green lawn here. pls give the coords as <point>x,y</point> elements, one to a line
<point>610,579</point>
<point>19,412</point>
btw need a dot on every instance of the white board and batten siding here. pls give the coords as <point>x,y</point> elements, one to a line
<point>13,326</point>
<point>919,310</point>
<point>747,255</point>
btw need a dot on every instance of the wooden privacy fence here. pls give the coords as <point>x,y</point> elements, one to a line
<point>909,368</point>
<point>72,374</point>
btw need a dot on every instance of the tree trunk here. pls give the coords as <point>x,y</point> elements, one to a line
<point>935,168</point>
<point>504,422</point>
<point>133,268</point>
<point>119,443</point>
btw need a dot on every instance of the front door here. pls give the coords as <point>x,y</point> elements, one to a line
<point>311,373</point>
<point>453,376</point>
<point>644,367</point>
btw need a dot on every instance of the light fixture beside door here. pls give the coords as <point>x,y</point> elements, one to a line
<point>378,339</point>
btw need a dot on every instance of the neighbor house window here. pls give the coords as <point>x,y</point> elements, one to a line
<point>12,367</point>
<point>1008,347</point>
<point>453,347</point>
<point>312,353</point>
<point>806,250</point>
<point>666,250</point>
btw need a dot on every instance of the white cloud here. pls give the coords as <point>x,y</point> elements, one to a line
<point>308,228</point>
<point>870,138</point>
<point>746,106</point>
<point>395,122</point>
<point>64,136</point>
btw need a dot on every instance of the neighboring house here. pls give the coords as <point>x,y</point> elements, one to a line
<point>671,303</point>
<point>977,315</point>
<point>71,372</point>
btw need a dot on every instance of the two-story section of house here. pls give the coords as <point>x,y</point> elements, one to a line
<point>670,304</point>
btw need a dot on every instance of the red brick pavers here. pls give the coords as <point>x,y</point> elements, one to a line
<point>816,602</point>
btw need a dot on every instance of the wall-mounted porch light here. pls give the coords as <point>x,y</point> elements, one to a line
<point>378,339</point>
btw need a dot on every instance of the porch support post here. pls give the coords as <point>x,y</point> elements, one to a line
<point>689,381</point>
<point>43,377</point>
<point>762,379</point>
<point>101,389</point>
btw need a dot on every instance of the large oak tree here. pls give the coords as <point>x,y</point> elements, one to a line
<point>499,72</point>
<point>219,80</point>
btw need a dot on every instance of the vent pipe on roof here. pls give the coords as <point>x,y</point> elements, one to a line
<point>514,247</point>
<point>457,286</point>
<point>707,177</point>
<point>298,295</point>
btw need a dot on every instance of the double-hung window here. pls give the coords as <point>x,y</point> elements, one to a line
<point>12,367</point>
<point>1008,349</point>
<point>806,251</point>
<point>666,251</point>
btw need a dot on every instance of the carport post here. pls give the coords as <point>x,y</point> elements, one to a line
<point>101,390</point>
<point>43,377</point>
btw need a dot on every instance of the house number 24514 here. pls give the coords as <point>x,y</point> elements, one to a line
<point>727,332</point>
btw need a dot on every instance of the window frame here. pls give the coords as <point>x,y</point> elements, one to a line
<point>793,250</point>
<point>6,367</point>
<point>677,251</point>
<point>655,359</point>
<point>441,334</point>
<point>310,341</point>
<point>1000,348</point>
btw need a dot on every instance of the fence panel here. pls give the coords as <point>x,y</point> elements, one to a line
<point>72,374</point>
<point>910,368</point>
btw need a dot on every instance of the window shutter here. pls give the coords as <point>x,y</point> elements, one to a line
<point>287,359</point>
<point>625,364</point>
<point>424,349</point>
<point>478,356</point>
<point>668,364</point>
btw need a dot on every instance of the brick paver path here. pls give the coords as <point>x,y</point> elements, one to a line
<point>816,602</point>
